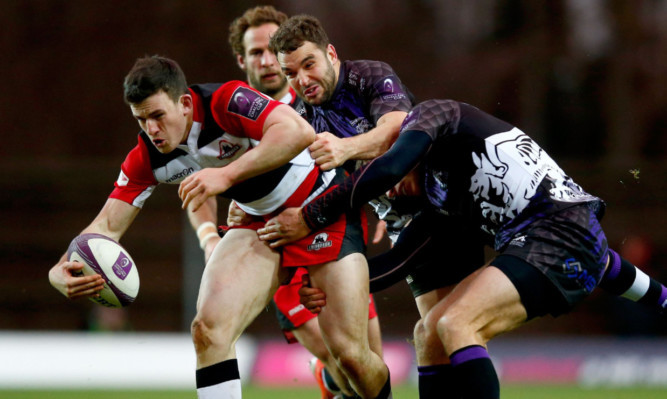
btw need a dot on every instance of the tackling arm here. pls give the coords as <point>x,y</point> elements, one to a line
<point>330,151</point>
<point>285,135</point>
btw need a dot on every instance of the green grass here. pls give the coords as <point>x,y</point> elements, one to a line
<point>400,392</point>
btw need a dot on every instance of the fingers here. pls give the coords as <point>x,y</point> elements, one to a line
<point>380,230</point>
<point>193,195</point>
<point>305,280</point>
<point>90,288</point>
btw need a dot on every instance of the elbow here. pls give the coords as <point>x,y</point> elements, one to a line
<point>307,135</point>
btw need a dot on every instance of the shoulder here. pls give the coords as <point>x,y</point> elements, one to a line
<point>368,68</point>
<point>237,98</point>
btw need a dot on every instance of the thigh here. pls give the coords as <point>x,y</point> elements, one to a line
<point>426,302</point>
<point>345,317</point>
<point>239,279</point>
<point>482,306</point>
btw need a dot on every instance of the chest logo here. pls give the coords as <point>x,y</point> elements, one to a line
<point>227,149</point>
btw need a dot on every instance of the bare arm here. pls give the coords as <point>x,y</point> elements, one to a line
<point>330,151</point>
<point>285,135</point>
<point>112,221</point>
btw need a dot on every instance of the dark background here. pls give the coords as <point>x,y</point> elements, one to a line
<point>587,79</point>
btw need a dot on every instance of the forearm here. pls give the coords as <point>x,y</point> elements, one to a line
<point>113,220</point>
<point>378,140</point>
<point>368,182</point>
<point>286,134</point>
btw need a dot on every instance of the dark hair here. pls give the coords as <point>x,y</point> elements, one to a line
<point>149,75</point>
<point>252,18</point>
<point>295,31</point>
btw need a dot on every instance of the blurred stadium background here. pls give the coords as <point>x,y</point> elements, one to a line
<point>586,78</point>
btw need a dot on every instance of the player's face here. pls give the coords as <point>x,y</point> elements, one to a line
<point>409,186</point>
<point>164,120</point>
<point>259,63</point>
<point>311,72</point>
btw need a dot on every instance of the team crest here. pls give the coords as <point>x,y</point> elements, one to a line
<point>247,103</point>
<point>320,241</point>
<point>227,149</point>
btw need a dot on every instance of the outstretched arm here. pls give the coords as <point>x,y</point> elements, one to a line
<point>112,221</point>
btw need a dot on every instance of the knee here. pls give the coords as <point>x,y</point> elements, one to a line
<point>206,332</point>
<point>428,346</point>
<point>201,334</point>
<point>349,359</point>
<point>420,333</point>
<point>450,326</point>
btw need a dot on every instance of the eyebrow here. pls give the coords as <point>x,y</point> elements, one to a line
<point>303,61</point>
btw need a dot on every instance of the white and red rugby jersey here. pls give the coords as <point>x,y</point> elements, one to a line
<point>228,121</point>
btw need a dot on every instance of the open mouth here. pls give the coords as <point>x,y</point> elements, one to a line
<point>310,91</point>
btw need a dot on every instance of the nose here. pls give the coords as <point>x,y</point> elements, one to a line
<point>268,58</point>
<point>151,126</point>
<point>302,78</point>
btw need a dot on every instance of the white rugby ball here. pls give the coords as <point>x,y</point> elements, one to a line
<point>104,256</point>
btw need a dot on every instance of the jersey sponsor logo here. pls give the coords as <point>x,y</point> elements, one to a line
<point>320,241</point>
<point>122,179</point>
<point>361,125</point>
<point>296,309</point>
<point>247,103</point>
<point>572,269</point>
<point>180,175</point>
<point>227,149</point>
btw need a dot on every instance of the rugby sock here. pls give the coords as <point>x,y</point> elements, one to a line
<point>622,278</point>
<point>435,380</point>
<point>474,373</point>
<point>220,380</point>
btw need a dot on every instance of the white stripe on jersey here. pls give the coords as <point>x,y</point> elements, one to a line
<point>302,165</point>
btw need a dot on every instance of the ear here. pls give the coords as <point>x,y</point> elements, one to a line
<point>240,61</point>
<point>331,53</point>
<point>186,103</point>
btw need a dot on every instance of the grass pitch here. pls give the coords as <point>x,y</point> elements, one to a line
<point>399,392</point>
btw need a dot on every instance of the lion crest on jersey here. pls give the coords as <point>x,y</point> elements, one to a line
<point>513,163</point>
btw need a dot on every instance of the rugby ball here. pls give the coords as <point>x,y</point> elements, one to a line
<point>104,256</point>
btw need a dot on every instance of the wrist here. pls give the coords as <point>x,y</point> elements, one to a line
<point>205,232</point>
<point>204,240</point>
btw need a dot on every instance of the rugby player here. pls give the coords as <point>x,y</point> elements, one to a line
<point>487,181</point>
<point>348,98</point>
<point>249,39</point>
<point>200,138</point>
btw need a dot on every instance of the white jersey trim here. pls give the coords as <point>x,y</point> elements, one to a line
<point>301,166</point>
